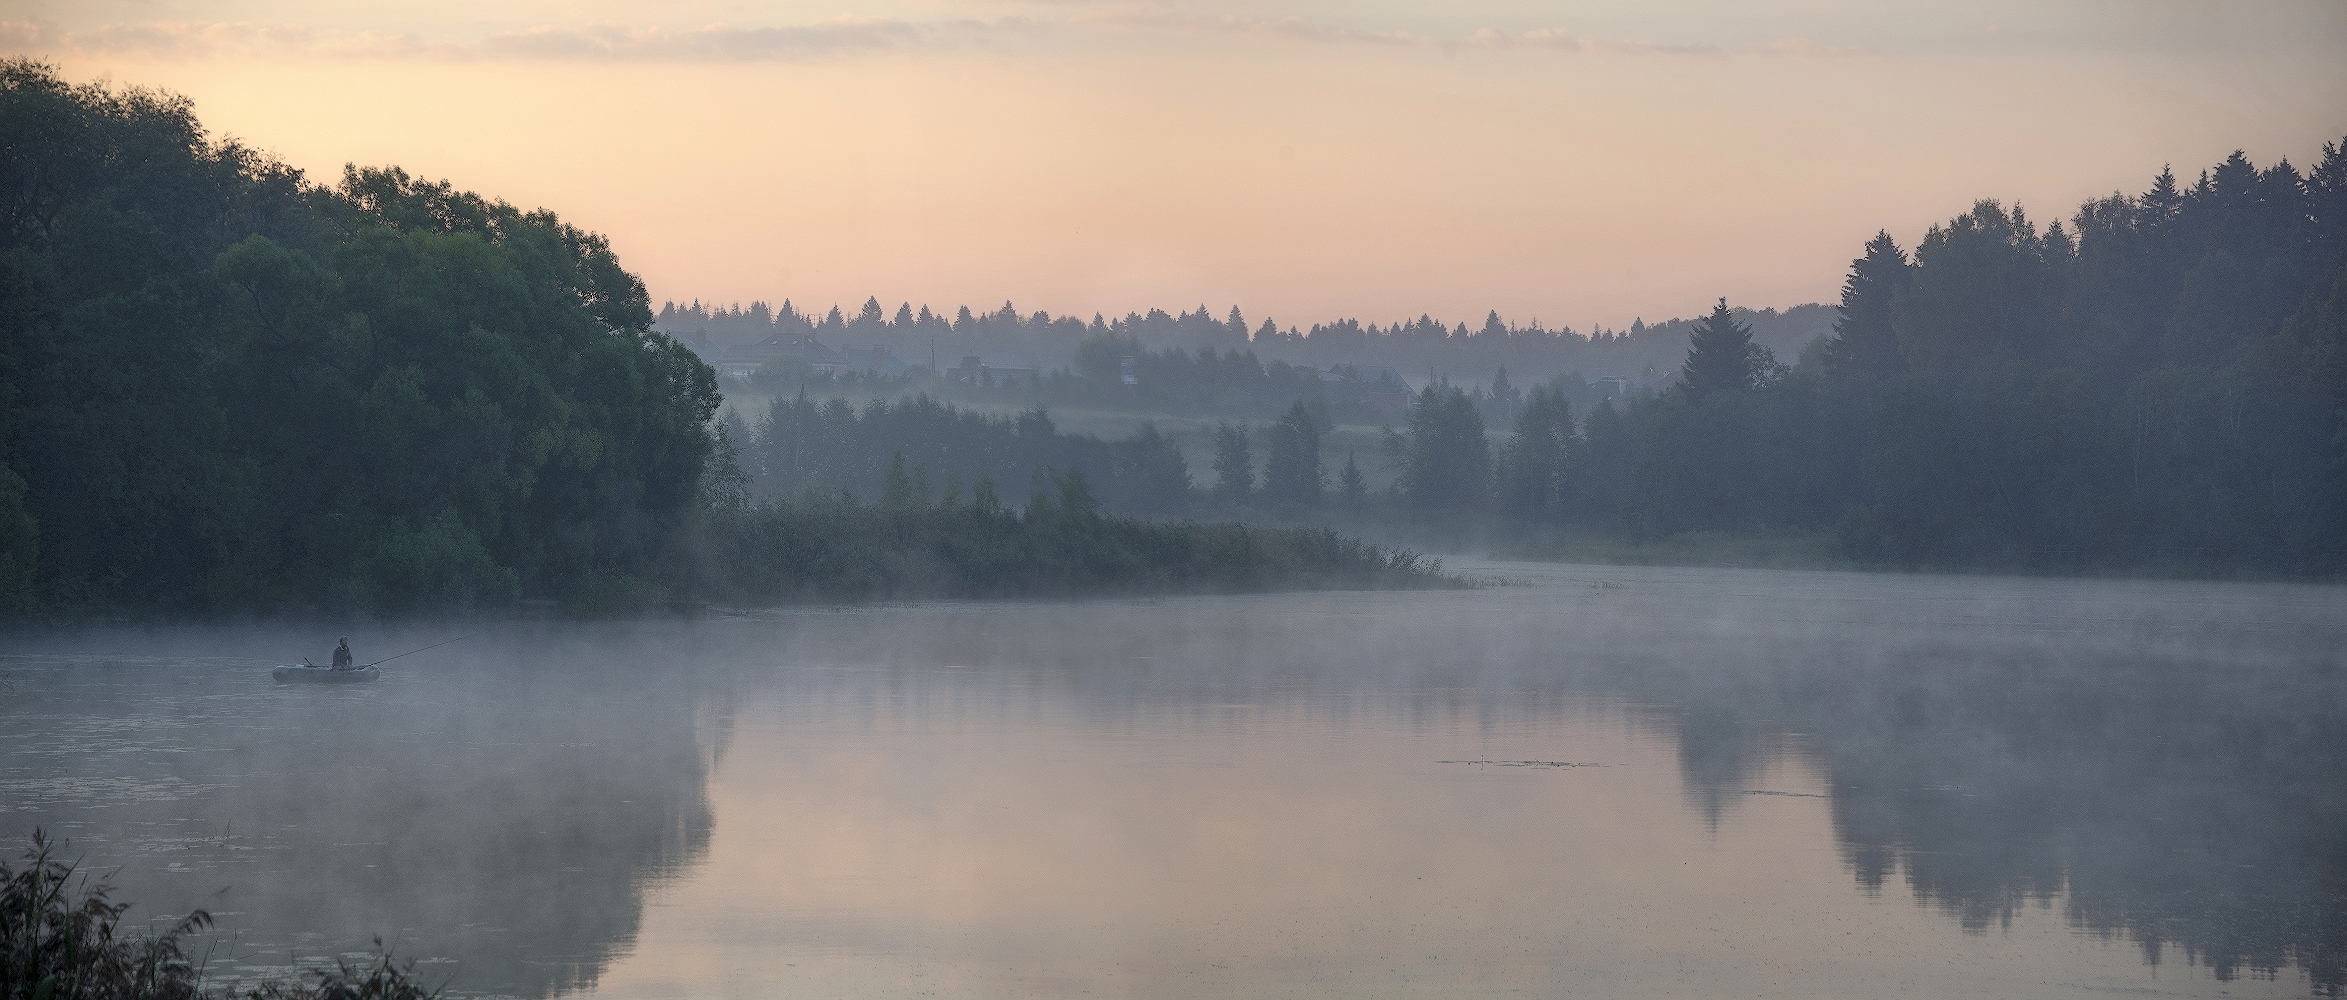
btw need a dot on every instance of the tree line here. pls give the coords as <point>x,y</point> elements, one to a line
<point>1007,337</point>
<point>224,387</point>
<point>834,449</point>
<point>2160,382</point>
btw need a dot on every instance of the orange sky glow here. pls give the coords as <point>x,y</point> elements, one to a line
<point>1577,163</point>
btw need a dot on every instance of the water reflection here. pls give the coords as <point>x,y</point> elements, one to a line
<point>1317,794</point>
<point>2175,804</point>
<point>2168,766</point>
<point>438,809</point>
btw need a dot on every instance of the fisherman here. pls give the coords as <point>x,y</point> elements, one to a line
<point>342,655</point>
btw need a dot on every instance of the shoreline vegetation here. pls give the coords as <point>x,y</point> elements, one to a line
<point>62,938</point>
<point>1826,551</point>
<point>226,389</point>
<point>909,546</point>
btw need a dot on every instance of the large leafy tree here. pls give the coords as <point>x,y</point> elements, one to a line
<point>1985,294</point>
<point>227,387</point>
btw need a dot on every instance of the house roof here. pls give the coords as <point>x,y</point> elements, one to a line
<point>1370,374</point>
<point>777,346</point>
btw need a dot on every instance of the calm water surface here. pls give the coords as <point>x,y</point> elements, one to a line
<point>1590,782</point>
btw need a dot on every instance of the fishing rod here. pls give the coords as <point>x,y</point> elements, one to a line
<point>413,652</point>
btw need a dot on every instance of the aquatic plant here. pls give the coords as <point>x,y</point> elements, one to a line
<point>61,938</point>
<point>379,979</point>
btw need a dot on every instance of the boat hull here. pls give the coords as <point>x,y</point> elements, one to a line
<point>295,673</point>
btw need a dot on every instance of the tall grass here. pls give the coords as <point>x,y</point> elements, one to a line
<point>61,938</point>
<point>831,548</point>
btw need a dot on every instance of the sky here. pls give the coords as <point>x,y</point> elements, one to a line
<point>1576,163</point>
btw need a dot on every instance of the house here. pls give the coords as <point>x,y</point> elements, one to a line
<point>862,361</point>
<point>774,347</point>
<point>742,361</point>
<point>977,372</point>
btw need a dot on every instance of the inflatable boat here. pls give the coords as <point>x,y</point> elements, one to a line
<point>297,673</point>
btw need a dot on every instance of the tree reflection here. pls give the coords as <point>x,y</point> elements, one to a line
<point>501,822</point>
<point>2180,804</point>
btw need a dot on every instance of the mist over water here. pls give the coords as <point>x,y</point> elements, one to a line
<point>1601,781</point>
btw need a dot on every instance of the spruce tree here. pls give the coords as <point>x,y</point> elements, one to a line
<point>1234,469</point>
<point>1352,487</point>
<point>1494,327</point>
<point>1864,341</point>
<point>1722,355</point>
<point>896,486</point>
<point>1292,476</point>
<point>1447,461</point>
<point>1535,461</point>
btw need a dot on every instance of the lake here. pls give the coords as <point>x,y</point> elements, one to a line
<point>1589,781</point>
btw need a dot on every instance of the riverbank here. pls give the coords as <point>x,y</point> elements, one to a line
<point>818,549</point>
<point>1824,551</point>
<point>1705,548</point>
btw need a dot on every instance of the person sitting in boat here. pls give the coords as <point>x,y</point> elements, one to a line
<point>342,655</point>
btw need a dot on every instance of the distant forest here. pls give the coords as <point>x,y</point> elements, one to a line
<point>2159,383</point>
<point>226,388</point>
<point>1420,347</point>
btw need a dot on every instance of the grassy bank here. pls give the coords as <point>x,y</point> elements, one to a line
<point>817,548</point>
<point>1824,551</point>
<point>1817,550</point>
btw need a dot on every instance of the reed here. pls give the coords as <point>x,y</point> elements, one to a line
<point>62,938</point>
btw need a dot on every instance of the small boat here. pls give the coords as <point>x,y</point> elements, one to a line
<point>296,673</point>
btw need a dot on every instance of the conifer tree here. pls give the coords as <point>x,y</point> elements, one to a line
<point>896,488</point>
<point>1537,460</point>
<point>1864,341</point>
<point>1722,355</point>
<point>1040,487</point>
<point>1609,457</point>
<point>1446,460</point>
<point>1234,469</point>
<point>2160,204</point>
<point>1292,476</point>
<point>1494,327</point>
<point>1352,487</point>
